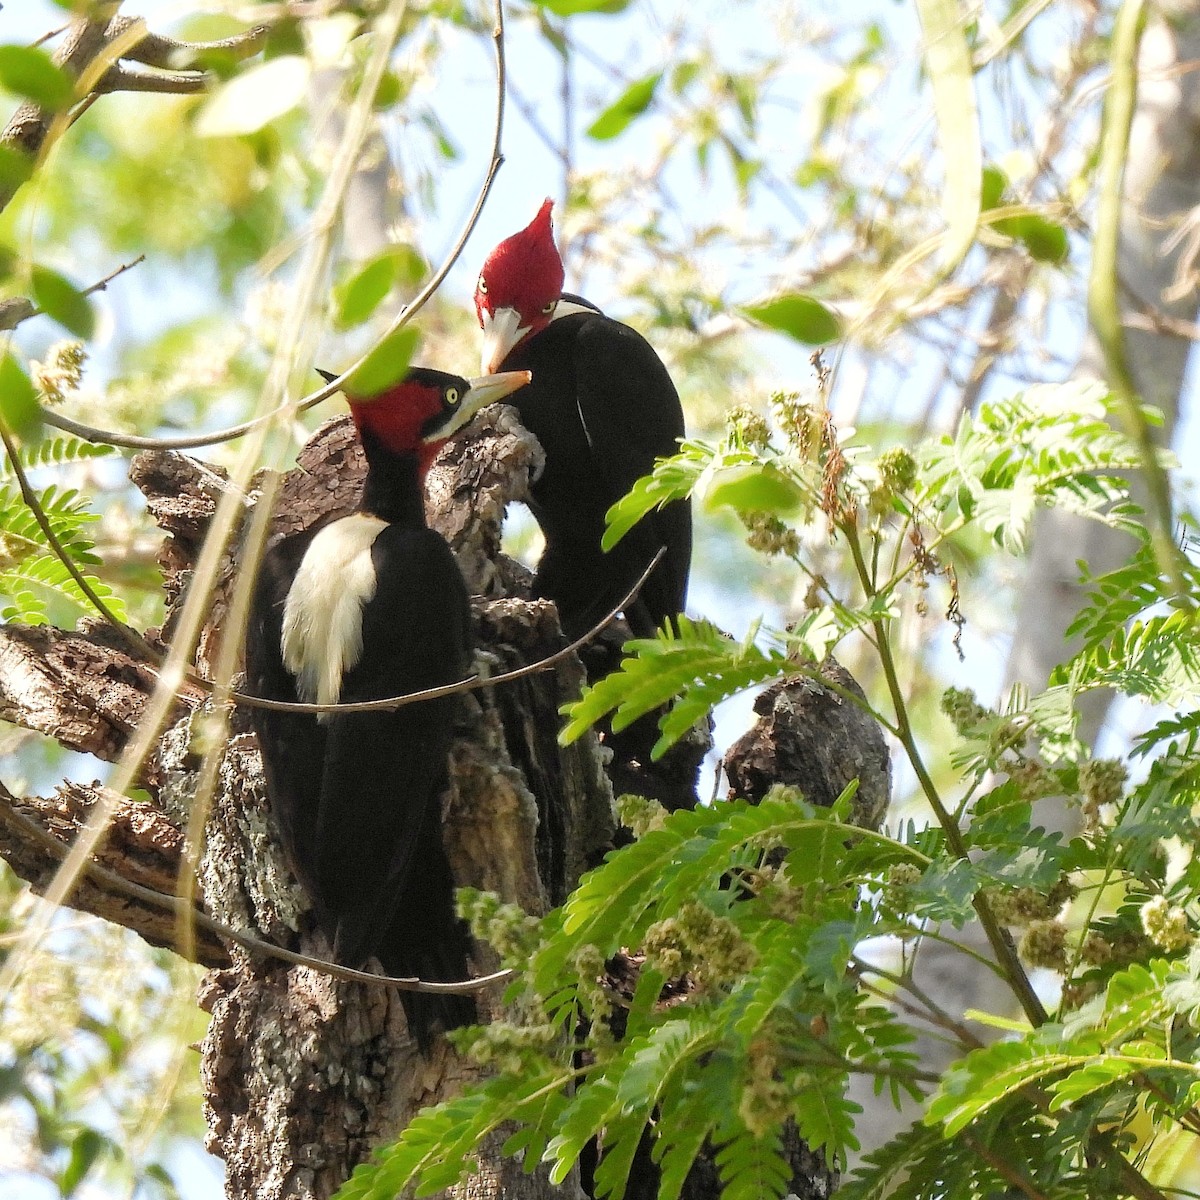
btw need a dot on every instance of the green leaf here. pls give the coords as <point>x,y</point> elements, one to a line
<point>992,187</point>
<point>800,316</point>
<point>361,294</point>
<point>753,1167</point>
<point>61,300</point>
<point>86,1147</point>
<point>1088,1079</point>
<point>256,97</point>
<point>571,8</point>
<point>19,408</point>
<point>625,109</point>
<point>30,72</point>
<point>698,663</point>
<point>673,479</point>
<point>986,1077</point>
<point>1045,240</point>
<point>750,487</point>
<point>15,168</point>
<point>386,364</point>
<point>948,61</point>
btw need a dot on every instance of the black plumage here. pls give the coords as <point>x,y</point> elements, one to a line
<point>604,409</point>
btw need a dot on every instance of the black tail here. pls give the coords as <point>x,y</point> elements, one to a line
<point>427,940</point>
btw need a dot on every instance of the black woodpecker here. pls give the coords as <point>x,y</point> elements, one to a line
<point>604,408</point>
<point>361,608</point>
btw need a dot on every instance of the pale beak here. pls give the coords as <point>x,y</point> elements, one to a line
<point>502,330</point>
<point>485,390</point>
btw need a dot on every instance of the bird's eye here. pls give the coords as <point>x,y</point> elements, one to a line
<point>481,287</point>
<point>549,308</point>
<point>452,396</point>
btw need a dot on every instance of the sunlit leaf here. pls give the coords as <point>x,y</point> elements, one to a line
<point>948,60</point>
<point>385,365</point>
<point>255,98</point>
<point>623,111</point>
<point>18,399</point>
<point>1045,240</point>
<point>15,168</point>
<point>750,487</point>
<point>992,187</point>
<point>364,291</point>
<point>571,8</point>
<point>28,71</point>
<point>60,299</point>
<point>798,315</point>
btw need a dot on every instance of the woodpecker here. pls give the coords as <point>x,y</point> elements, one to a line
<point>604,408</point>
<point>365,607</point>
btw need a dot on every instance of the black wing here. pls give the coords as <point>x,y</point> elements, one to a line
<point>378,819</point>
<point>631,414</point>
<point>293,746</point>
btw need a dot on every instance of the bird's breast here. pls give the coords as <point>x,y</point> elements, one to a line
<point>323,613</point>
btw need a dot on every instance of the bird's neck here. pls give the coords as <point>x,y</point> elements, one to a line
<point>394,489</point>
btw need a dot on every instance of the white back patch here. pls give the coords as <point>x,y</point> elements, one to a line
<point>567,308</point>
<point>322,617</point>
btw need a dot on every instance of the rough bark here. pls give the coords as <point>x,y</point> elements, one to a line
<point>303,1073</point>
<point>813,738</point>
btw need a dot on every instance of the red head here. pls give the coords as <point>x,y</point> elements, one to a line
<point>518,288</point>
<point>420,413</point>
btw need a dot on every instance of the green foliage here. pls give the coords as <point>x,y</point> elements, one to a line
<point>801,317</point>
<point>625,109</point>
<point>28,71</point>
<point>763,974</point>
<point>757,909</point>
<point>385,364</point>
<point>18,399</point>
<point>59,298</point>
<point>697,667</point>
<point>32,577</point>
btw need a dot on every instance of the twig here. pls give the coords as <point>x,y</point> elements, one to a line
<point>118,883</point>
<point>471,684</point>
<point>931,1010</point>
<point>26,309</point>
<point>158,50</point>
<point>1103,304</point>
<point>182,83</point>
<point>1003,1168</point>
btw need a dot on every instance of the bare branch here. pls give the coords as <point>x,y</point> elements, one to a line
<point>123,79</point>
<point>13,312</point>
<point>148,828</point>
<point>157,50</point>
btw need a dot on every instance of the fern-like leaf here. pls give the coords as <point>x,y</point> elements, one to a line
<point>55,452</point>
<point>754,1167</point>
<point>672,479</point>
<point>700,665</point>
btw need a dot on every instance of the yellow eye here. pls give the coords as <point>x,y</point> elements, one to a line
<point>481,287</point>
<point>550,307</point>
<point>452,396</point>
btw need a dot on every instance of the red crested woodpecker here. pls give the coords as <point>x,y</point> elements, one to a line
<point>604,408</point>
